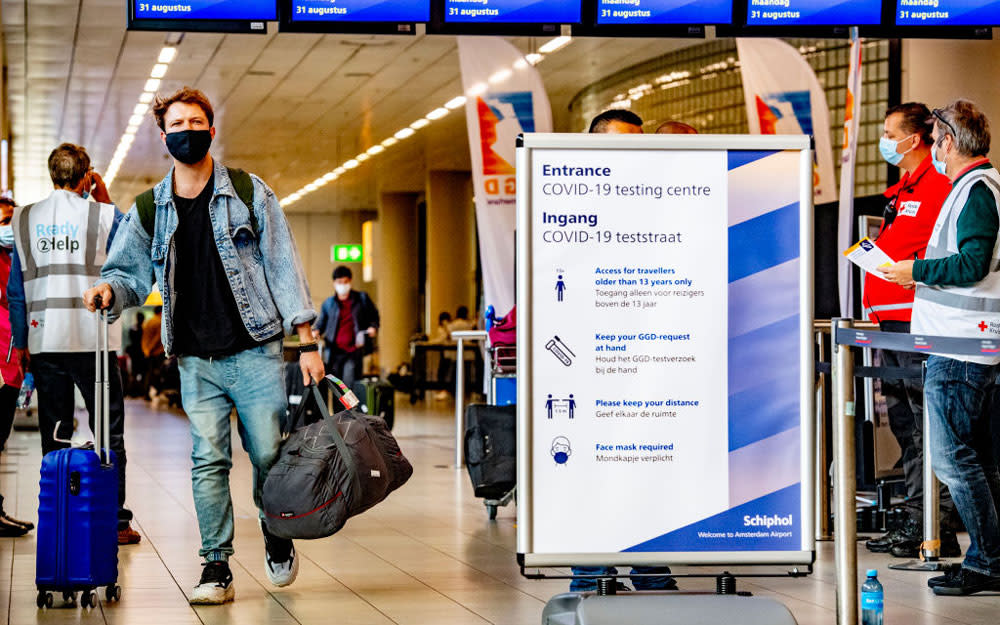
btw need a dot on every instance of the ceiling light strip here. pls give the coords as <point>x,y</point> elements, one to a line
<point>439,113</point>
<point>139,113</point>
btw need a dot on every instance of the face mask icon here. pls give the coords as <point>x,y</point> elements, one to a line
<point>561,450</point>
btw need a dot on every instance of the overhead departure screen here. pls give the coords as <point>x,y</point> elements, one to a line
<point>361,11</point>
<point>814,12</point>
<point>512,11</point>
<point>637,12</point>
<point>948,13</point>
<point>247,10</point>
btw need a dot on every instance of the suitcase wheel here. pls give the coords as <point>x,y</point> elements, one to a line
<point>492,511</point>
<point>88,599</point>
<point>113,593</point>
<point>44,600</point>
<point>69,598</point>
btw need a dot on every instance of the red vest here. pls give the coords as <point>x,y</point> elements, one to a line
<point>8,364</point>
<point>918,200</point>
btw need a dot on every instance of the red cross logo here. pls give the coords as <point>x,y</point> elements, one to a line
<point>34,324</point>
<point>982,326</point>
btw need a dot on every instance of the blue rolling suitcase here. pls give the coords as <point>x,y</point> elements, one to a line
<point>78,509</point>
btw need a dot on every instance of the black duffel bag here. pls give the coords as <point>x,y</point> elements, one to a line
<point>331,469</point>
<point>491,449</point>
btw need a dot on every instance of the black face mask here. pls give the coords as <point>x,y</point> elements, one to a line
<point>189,146</point>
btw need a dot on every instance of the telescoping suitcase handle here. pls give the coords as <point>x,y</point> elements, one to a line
<point>102,386</point>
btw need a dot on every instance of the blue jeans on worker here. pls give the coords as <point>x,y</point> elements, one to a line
<point>655,582</point>
<point>963,420</point>
<point>252,382</point>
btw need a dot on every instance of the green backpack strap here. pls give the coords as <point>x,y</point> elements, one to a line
<point>145,204</point>
<point>243,185</point>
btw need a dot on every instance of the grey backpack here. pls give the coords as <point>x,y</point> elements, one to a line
<point>330,468</point>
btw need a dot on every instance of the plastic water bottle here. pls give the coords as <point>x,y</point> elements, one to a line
<point>27,388</point>
<point>872,600</point>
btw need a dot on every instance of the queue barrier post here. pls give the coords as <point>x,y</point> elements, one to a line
<point>822,468</point>
<point>845,478</point>
<point>930,549</point>
<point>821,329</point>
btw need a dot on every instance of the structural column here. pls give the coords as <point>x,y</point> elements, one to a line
<point>394,260</point>
<point>451,244</point>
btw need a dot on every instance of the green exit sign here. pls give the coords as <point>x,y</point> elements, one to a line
<point>346,253</point>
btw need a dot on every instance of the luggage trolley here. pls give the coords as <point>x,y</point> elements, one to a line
<point>502,387</point>
<point>492,505</point>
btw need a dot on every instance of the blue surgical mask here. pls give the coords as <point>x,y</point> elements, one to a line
<point>887,147</point>
<point>940,166</point>
<point>7,236</point>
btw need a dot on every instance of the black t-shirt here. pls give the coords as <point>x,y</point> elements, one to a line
<point>207,322</point>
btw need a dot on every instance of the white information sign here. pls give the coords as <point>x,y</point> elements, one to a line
<point>665,349</point>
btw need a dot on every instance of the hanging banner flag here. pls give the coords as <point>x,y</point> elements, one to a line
<point>784,97</point>
<point>505,97</point>
<point>848,159</point>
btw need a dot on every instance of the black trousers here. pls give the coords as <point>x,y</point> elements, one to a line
<point>8,405</point>
<point>905,403</point>
<point>55,376</point>
<point>345,365</point>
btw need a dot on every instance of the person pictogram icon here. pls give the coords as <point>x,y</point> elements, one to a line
<point>572,405</point>
<point>549,405</point>
<point>560,288</point>
<point>561,450</point>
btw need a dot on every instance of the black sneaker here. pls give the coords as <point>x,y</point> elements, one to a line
<point>216,585</point>
<point>884,543</point>
<point>910,530</point>
<point>941,580</point>
<point>9,529</point>
<point>6,518</point>
<point>966,582</point>
<point>911,548</point>
<point>280,561</point>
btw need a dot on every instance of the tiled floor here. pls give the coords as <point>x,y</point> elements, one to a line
<point>427,556</point>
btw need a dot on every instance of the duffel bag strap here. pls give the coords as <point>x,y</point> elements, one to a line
<point>338,440</point>
<point>345,394</point>
<point>337,386</point>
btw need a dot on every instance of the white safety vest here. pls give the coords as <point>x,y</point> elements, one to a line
<point>61,244</point>
<point>964,312</point>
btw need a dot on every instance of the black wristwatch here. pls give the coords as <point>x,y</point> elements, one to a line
<point>305,348</point>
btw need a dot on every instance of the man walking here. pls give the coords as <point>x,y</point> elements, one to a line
<point>60,244</point>
<point>348,322</point>
<point>217,242</point>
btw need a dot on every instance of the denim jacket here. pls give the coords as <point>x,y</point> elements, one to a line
<point>264,271</point>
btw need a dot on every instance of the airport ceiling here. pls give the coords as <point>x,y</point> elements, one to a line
<point>290,107</point>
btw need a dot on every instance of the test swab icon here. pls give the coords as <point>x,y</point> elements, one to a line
<point>560,350</point>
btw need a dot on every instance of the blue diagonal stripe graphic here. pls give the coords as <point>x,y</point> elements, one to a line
<point>764,242</point>
<point>739,158</point>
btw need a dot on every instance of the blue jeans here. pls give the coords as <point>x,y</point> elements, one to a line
<point>251,381</point>
<point>963,419</point>
<point>659,582</point>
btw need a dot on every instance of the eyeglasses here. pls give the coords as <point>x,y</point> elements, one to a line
<point>937,113</point>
